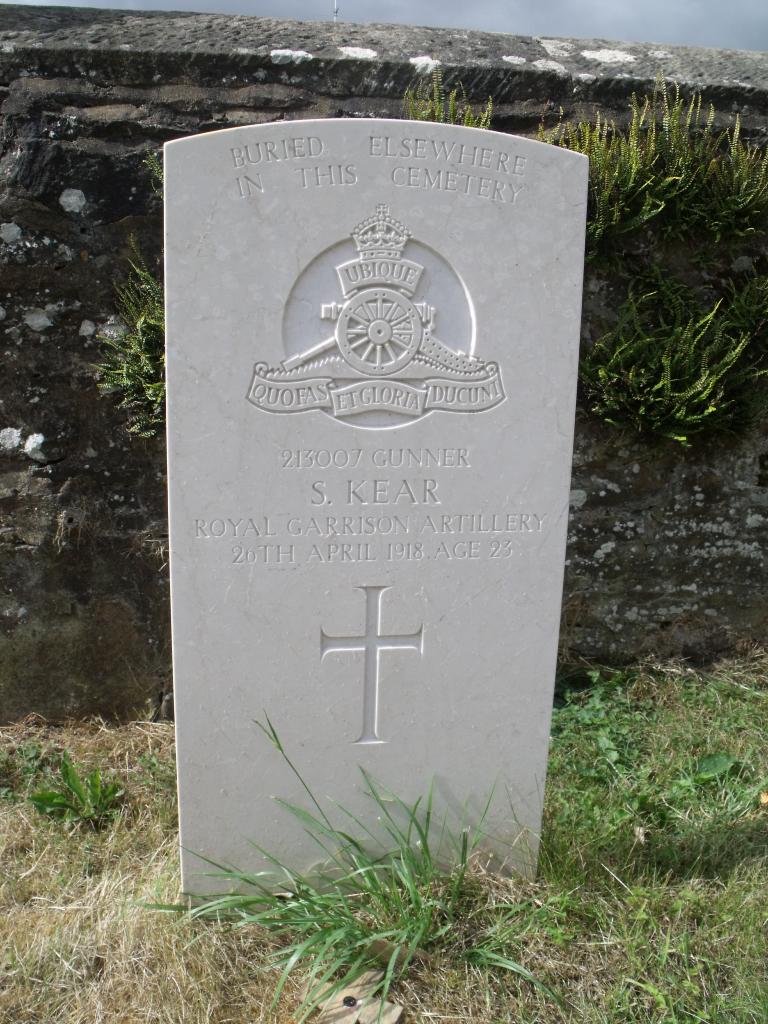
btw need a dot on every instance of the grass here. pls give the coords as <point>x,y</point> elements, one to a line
<point>651,905</point>
<point>383,903</point>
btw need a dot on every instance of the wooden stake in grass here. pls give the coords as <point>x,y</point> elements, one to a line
<point>357,1003</point>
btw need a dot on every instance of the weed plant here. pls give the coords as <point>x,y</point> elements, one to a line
<point>133,363</point>
<point>21,766</point>
<point>154,165</point>
<point>429,102</point>
<point>83,800</point>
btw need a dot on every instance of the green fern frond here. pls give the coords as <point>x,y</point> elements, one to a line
<point>133,363</point>
<point>428,102</point>
<point>154,165</point>
<point>670,369</point>
<point>668,168</point>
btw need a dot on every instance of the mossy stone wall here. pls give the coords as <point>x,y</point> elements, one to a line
<point>667,552</point>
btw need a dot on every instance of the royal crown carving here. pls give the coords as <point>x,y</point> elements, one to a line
<point>381,236</point>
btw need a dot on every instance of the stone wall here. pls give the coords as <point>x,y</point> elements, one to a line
<point>666,553</point>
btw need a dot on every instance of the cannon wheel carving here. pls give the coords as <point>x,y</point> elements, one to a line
<point>379,331</point>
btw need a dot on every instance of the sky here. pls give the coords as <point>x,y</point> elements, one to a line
<point>727,24</point>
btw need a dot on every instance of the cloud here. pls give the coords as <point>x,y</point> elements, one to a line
<point>740,24</point>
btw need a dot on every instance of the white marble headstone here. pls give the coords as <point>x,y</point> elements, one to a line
<point>373,333</point>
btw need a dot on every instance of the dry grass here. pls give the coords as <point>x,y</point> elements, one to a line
<point>78,946</point>
<point>651,907</point>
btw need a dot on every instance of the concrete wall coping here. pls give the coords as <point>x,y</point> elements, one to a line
<point>194,47</point>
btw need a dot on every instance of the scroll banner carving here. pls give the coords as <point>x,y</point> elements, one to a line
<point>383,350</point>
<point>272,392</point>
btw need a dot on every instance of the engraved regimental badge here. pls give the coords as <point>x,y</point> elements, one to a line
<point>380,362</point>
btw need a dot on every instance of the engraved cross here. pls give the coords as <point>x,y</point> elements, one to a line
<point>372,643</point>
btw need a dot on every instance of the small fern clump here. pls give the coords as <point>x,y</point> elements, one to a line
<point>737,187</point>
<point>154,165</point>
<point>671,193</point>
<point>671,369</point>
<point>620,174</point>
<point>668,167</point>
<point>429,102</point>
<point>133,365</point>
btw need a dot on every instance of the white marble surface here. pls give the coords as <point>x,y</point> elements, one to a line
<point>372,349</point>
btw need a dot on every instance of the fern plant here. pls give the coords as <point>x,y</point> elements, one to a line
<point>671,369</point>
<point>668,167</point>
<point>620,174</point>
<point>133,364</point>
<point>662,191</point>
<point>429,102</point>
<point>154,165</point>
<point>737,187</point>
